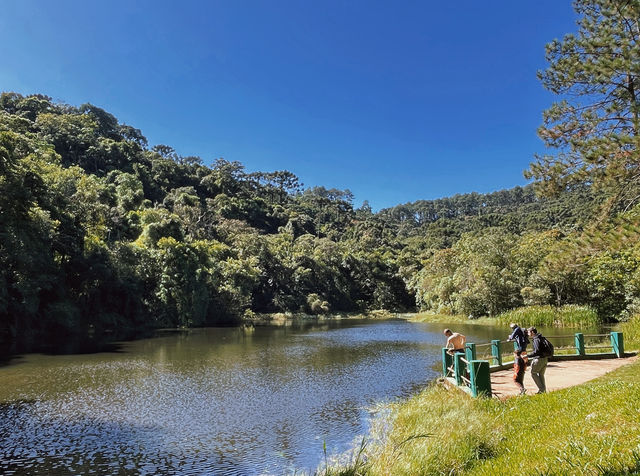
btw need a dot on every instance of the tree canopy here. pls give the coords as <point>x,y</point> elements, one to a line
<point>594,125</point>
<point>101,231</point>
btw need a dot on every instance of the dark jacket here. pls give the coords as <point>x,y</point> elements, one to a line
<point>519,367</point>
<point>537,350</point>
<point>518,336</point>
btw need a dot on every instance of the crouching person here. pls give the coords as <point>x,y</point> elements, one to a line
<point>455,341</point>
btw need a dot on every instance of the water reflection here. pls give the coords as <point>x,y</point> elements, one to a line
<point>212,401</point>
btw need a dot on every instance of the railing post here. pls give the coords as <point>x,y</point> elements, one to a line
<point>617,342</point>
<point>447,361</point>
<point>495,352</point>
<point>470,351</point>
<point>580,343</point>
<point>480,378</point>
<point>459,366</point>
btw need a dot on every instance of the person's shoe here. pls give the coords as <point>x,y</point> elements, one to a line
<point>523,391</point>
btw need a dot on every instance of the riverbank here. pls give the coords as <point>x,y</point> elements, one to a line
<point>587,429</point>
<point>283,318</point>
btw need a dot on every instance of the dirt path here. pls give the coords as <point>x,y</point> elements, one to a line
<point>558,375</point>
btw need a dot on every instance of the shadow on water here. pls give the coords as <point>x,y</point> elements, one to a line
<point>79,347</point>
<point>66,344</point>
<point>36,441</point>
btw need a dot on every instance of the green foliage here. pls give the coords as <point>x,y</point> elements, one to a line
<point>595,124</point>
<point>100,231</point>
<point>100,228</point>
<point>489,272</point>
<point>316,305</point>
<point>482,274</point>
<point>631,330</point>
<point>443,221</point>
<point>570,315</point>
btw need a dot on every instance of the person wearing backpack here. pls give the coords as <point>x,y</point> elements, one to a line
<point>519,336</point>
<point>542,350</point>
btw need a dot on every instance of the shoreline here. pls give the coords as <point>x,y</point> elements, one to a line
<point>282,318</point>
<point>586,426</point>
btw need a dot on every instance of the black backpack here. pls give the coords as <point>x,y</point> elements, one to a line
<point>545,347</point>
<point>525,338</point>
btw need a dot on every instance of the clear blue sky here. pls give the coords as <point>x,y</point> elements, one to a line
<point>396,101</point>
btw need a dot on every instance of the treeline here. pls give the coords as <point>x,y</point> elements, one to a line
<point>485,254</point>
<point>97,229</point>
<point>517,210</point>
<point>100,230</point>
<point>488,272</point>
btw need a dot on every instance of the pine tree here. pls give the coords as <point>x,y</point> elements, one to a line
<point>594,126</point>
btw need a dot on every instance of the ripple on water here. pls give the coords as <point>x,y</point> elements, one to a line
<point>245,407</point>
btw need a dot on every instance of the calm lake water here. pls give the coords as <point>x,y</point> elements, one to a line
<point>227,401</point>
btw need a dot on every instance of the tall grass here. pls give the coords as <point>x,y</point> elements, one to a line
<point>439,431</point>
<point>355,466</point>
<point>631,332</point>
<point>570,315</point>
<point>587,429</point>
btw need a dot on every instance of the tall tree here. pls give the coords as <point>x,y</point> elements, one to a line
<point>595,124</point>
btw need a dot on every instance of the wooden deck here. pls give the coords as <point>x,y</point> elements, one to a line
<point>559,375</point>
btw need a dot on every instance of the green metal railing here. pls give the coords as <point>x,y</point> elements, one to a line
<point>473,374</point>
<point>500,353</point>
<point>467,372</point>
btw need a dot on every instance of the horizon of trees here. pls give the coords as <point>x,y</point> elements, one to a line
<point>99,230</point>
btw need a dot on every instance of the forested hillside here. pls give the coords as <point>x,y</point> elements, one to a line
<point>443,221</point>
<point>100,230</point>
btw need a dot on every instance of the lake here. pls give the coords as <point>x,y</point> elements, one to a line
<point>228,401</point>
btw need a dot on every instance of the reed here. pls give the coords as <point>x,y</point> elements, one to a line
<point>631,330</point>
<point>570,315</point>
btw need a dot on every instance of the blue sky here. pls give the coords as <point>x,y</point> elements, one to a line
<point>396,101</point>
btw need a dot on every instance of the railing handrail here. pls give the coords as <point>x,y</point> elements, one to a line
<point>474,372</point>
<point>564,336</point>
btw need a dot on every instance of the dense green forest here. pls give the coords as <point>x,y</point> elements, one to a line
<point>98,230</point>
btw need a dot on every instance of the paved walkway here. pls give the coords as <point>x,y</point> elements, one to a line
<point>558,375</point>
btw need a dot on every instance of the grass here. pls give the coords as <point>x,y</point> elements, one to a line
<point>631,331</point>
<point>591,429</point>
<point>569,315</point>
<point>356,466</point>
